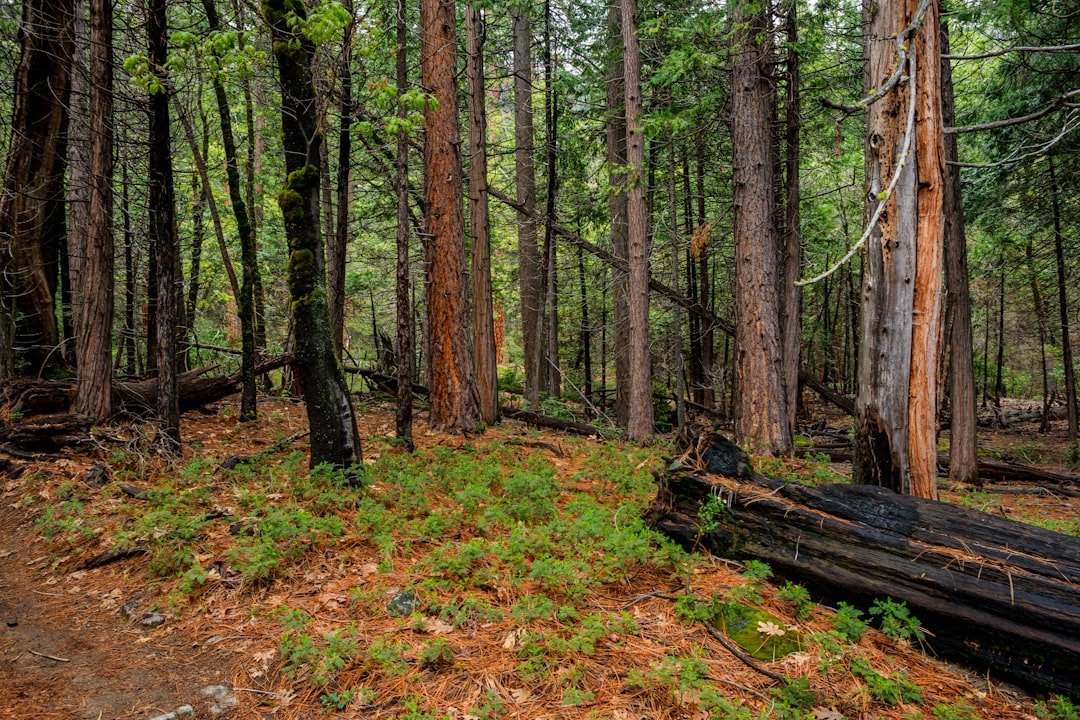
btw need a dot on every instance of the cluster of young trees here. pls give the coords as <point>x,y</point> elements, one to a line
<point>699,168</point>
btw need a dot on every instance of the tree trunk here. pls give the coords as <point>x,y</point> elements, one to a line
<point>32,208</point>
<point>1040,326</point>
<point>761,418</point>
<point>528,254</point>
<point>338,242</point>
<point>999,384</point>
<point>404,344</point>
<point>639,424</point>
<point>94,279</point>
<point>550,283</point>
<point>334,437</point>
<point>896,408</point>
<point>678,316</point>
<point>585,337</point>
<point>1063,304</point>
<point>963,466</point>
<point>246,300</point>
<point>162,208</point>
<point>705,293</point>
<point>130,333</point>
<point>198,205</point>
<point>791,294</point>
<point>487,379</point>
<point>615,137</point>
<point>453,385</point>
<point>994,591</point>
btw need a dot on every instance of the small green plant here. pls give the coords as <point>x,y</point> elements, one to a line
<point>336,700</point>
<point>709,515</point>
<point>848,622</point>
<point>794,700</point>
<point>757,571</point>
<point>891,690</point>
<point>897,621</point>
<point>573,696</point>
<point>960,711</point>
<point>437,655</point>
<point>1058,707</point>
<point>798,596</point>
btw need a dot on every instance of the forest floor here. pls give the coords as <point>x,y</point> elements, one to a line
<point>507,575</point>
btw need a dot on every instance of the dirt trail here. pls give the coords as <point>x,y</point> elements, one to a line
<point>110,668</point>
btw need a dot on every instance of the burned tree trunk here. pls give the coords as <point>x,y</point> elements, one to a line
<point>998,593</point>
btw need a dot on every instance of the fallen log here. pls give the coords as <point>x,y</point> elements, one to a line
<point>989,470</point>
<point>138,397</point>
<point>997,593</point>
<point>388,384</point>
<point>46,433</point>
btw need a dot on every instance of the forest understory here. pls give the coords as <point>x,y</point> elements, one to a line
<point>508,574</point>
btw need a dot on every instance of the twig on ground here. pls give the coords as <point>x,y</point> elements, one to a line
<point>49,657</point>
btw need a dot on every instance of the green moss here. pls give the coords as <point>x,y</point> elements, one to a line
<point>302,179</point>
<point>756,631</point>
<point>292,205</point>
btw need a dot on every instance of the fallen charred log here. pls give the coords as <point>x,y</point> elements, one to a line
<point>989,470</point>
<point>47,432</point>
<point>998,593</point>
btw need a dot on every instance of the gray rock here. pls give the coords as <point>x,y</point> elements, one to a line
<point>152,620</point>
<point>130,609</point>
<point>184,711</point>
<point>403,604</point>
<point>221,698</point>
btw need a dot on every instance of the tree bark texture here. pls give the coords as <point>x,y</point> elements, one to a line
<point>525,169</point>
<point>615,137</point>
<point>32,211</point>
<point>453,385</point>
<point>761,419</point>
<point>246,231</point>
<point>963,461</point>
<point>404,345</point>
<point>639,423</point>
<point>334,437</point>
<point>162,208</point>
<point>1063,306</point>
<point>94,280</point>
<point>791,294</point>
<point>337,245</point>
<point>896,408</point>
<point>487,379</point>
<point>996,592</point>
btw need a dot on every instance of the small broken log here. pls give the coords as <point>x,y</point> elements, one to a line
<point>998,593</point>
<point>47,432</point>
<point>567,426</point>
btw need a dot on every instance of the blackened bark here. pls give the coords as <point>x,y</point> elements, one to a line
<point>1063,306</point>
<point>487,379</point>
<point>791,294</point>
<point>162,210</point>
<point>334,437</point>
<point>246,301</point>
<point>404,345</point>
<point>339,242</point>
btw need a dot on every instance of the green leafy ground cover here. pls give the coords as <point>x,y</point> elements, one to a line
<point>539,590</point>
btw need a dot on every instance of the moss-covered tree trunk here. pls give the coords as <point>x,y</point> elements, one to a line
<point>246,301</point>
<point>334,438</point>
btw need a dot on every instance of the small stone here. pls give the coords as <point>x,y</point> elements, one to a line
<point>152,620</point>
<point>221,698</point>
<point>12,622</point>
<point>183,711</point>
<point>97,476</point>
<point>403,604</point>
<point>129,609</point>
